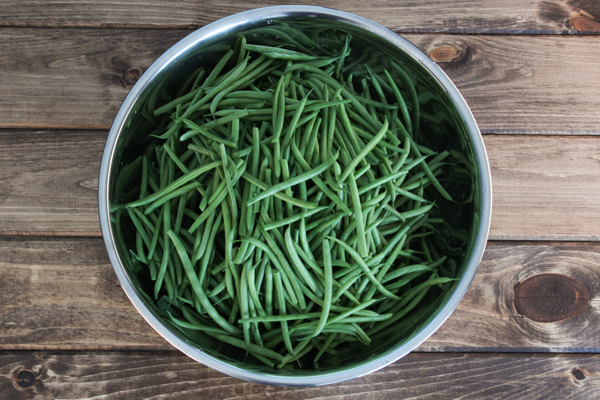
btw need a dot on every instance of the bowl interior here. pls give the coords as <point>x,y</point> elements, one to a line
<point>444,126</point>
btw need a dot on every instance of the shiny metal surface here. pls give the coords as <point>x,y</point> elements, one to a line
<point>156,81</point>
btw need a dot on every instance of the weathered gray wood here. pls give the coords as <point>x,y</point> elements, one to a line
<point>62,293</point>
<point>505,16</point>
<point>166,375</point>
<point>49,185</point>
<point>77,78</point>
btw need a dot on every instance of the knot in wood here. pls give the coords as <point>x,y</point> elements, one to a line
<point>131,76</point>
<point>583,22</point>
<point>24,378</point>
<point>550,297</point>
<point>447,53</point>
<point>578,374</point>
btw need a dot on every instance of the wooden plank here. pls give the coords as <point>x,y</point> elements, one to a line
<point>516,86</point>
<point>545,187</point>
<point>165,375</point>
<point>63,294</point>
<point>466,16</point>
<point>50,182</point>
<point>49,185</point>
<point>77,78</point>
<point>487,317</point>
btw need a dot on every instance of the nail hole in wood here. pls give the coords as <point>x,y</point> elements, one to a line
<point>550,297</point>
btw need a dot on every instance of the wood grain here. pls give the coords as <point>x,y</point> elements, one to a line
<point>165,375</point>
<point>487,317</point>
<point>72,77</point>
<point>545,187</point>
<point>49,182</point>
<point>550,297</point>
<point>519,86</point>
<point>529,326</point>
<point>466,16</point>
<point>77,78</point>
<point>48,185</point>
<point>63,294</point>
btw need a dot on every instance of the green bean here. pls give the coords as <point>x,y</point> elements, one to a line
<point>282,310</point>
<point>293,218</point>
<point>380,135</point>
<point>319,182</point>
<point>294,122</point>
<point>278,109</point>
<point>299,351</point>
<point>328,289</point>
<point>282,266</point>
<point>182,191</point>
<point>210,94</point>
<point>166,250</point>
<point>229,182</point>
<point>366,269</point>
<point>157,229</point>
<point>426,168</point>
<point>297,202</point>
<point>176,159</point>
<point>358,217</point>
<point>193,278</point>
<point>254,348</point>
<point>253,70</point>
<point>280,53</point>
<point>140,249</point>
<point>184,98</point>
<point>295,261</point>
<point>255,297</point>
<point>175,184</point>
<point>415,112</point>
<point>244,299</point>
<point>279,318</point>
<point>406,270</point>
<point>196,327</point>
<point>140,228</point>
<point>380,181</point>
<point>229,235</point>
<point>269,290</point>
<point>292,181</point>
<point>325,347</point>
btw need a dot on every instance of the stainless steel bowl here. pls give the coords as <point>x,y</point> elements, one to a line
<point>196,48</point>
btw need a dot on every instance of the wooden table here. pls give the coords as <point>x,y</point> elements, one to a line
<point>529,326</point>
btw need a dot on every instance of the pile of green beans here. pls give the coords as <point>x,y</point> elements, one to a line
<point>282,207</point>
